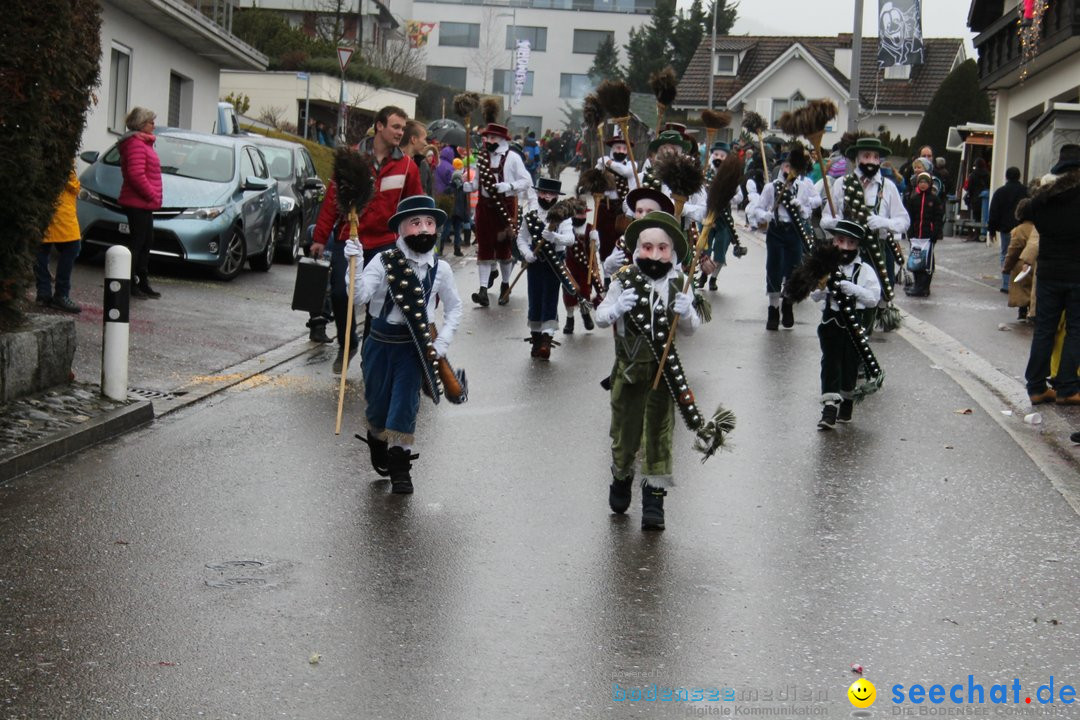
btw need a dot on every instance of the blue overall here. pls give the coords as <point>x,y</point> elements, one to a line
<point>543,293</point>
<point>392,373</point>
<point>783,253</point>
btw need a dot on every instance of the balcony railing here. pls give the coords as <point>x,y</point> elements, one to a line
<point>638,7</point>
<point>1000,50</point>
<point>218,11</point>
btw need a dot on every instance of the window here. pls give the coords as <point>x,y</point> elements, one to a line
<point>726,64</point>
<point>537,37</point>
<point>574,87</point>
<point>524,124</point>
<point>898,72</point>
<point>782,105</point>
<point>453,77</point>
<point>455,34</point>
<point>119,79</point>
<point>259,162</point>
<point>589,41</point>
<point>503,83</point>
<point>247,167</point>
<point>180,100</point>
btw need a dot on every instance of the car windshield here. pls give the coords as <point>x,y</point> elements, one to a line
<point>188,158</point>
<point>279,160</point>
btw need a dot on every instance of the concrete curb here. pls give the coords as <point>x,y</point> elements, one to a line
<point>72,440</point>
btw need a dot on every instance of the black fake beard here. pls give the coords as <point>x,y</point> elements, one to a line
<point>618,157</point>
<point>717,162</point>
<point>545,204</point>
<point>491,147</point>
<point>420,243</point>
<point>578,221</point>
<point>848,256</point>
<point>653,268</point>
<point>869,169</point>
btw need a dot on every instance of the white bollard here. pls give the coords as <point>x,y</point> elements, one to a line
<point>114,340</point>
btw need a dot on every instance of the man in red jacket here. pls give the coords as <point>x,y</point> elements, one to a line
<point>396,178</point>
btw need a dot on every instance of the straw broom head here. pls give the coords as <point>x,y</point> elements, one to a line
<point>808,120</point>
<point>807,277</point>
<point>664,85</point>
<point>614,96</point>
<point>562,210</point>
<point>592,112</point>
<point>352,176</point>
<point>754,123</point>
<point>489,107</point>
<point>681,173</point>
<point>713,120</point>
<point>466,103</point>
<point>595,182</point>
<point>724,184</point>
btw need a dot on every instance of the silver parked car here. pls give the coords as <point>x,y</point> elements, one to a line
<point>219,203</point>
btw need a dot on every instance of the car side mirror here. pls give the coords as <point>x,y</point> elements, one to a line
<point>313,183</point>
<point>89,156</point>
<point>256,183</point>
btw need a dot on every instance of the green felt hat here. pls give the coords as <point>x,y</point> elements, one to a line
<point>867,143</point>
<point>665,222</point>
<point>670,137</point>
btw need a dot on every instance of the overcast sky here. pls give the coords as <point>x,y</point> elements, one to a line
<point>941,18</point>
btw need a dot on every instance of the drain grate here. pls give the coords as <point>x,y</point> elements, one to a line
<point>155,394</point>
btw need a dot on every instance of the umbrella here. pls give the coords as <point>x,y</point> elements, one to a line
<point>448,136</point>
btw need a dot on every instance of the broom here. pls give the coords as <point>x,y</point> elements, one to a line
<point>664,85</point>
<point>355,186</point>
<point>594,182</point>
<point>614,96</point>
<point>722,188</point>
<point>811,121</point>
<point>682,174</point>
<point>593,116</point>
<point>756,125</point>
<point>464,105</point>
<point>713,121</point>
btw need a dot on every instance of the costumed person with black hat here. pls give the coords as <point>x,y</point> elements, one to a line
<point>401,284</point>
<point>668,143</point>
<point>642,303</point>
<point>840,349</point>
<point>879,208</point>
<point>581,266</point>
<point>501,180</point>
<point>640,202</point>
<point>723,234</point>
<point>784,205</point>
<point>542,241</point>
<point>610,220</point>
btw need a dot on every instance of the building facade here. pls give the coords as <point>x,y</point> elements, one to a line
<point>165,55</point>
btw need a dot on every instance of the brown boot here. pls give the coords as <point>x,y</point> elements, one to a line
<point>544,351</point>
<point>1047,395</point>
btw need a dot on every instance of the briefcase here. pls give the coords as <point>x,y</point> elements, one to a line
<point>312,277</point>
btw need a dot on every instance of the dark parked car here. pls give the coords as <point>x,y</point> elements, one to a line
<point>300,193</point>
<point>219,205</point>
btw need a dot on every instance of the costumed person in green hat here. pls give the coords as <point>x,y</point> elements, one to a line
<point>869,199</point>
<point>784,205</point>
<point>642,302</point>
<point>840,347</point>
<point>401,284</point>
<point>640,202</point>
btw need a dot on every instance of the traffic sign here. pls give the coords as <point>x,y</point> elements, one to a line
<point>344,54</point>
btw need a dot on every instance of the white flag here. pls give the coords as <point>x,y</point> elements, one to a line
<point>521,68</point>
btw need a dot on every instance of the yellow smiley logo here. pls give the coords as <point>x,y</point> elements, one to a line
<point>862,693</point>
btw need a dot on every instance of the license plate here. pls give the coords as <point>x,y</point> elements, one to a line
<point>124,228</point>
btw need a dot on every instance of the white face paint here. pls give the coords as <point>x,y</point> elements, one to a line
<point>619,148</point>
<point>644,206</point>
<point>416,225</point>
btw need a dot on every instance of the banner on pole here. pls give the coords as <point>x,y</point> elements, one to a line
<point>900,39</point>
<point>417,31</point>
<point>521,68</point>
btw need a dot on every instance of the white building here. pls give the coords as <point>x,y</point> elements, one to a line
<point>165,55</point>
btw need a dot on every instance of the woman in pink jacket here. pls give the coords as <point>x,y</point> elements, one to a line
<point>140,194</point>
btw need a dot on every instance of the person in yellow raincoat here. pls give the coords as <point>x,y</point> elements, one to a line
<point>63,235</point>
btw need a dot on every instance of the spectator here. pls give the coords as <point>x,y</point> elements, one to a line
<point>926,212</point>
<point>459,214</point>
<point>63,234</point>
<point>976,183</point>
<point>1020,237</point>
<point>413,145</point>
<point>941,170</point>
<point>532,156</point>
<point>140,194</point>
<point>445,169</point>
<point>1002,218</point>
<point>1055,212</point>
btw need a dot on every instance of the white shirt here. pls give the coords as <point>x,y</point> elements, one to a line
<point>658,298</point>
<point>761,211</point>
<point>563,235</point>
<point>892,211</point>
<point>514,171</point>
<point>623,169</point>
<point>869,287</point>
<point>373,286</point>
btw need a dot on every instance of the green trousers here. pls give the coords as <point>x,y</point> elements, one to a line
<point>639,415</point>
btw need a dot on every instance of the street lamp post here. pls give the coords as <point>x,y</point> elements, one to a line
<point>510,74</point>
<point>856,65</point>
<point>712,56</point>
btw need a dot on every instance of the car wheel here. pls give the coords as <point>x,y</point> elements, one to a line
<point>265,259</point>
<point>291,251</point>
<point>232,257</point>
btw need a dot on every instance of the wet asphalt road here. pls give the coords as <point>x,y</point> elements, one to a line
<point>194,568</point>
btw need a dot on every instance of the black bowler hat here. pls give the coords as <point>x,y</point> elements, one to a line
<point>416,205</point>
<point>1068,159</point>
<point>548,185</point>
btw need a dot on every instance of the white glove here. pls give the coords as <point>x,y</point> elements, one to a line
<point>503,188</point>
<point>817,295</point>
<point>684,304</point>
<point>468,186</point>
<point>353,248</point>
<point>624,303</point>
<point>876,222</point>
<point>529,256</point>
<point>614,261</point>
<point>550,236</point>
<point>441,345</point>
<point>849,288</point>
<point>594,236</point>
<point>611,194</point>
<point>621,169</point>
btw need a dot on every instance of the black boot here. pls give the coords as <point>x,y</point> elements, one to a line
<point>847,408</point>
<point>144,285</point>
<point>380,461</point>
<point>535,344</point>
<point>494,274</point>
<point>586,319</point>
<point>481,298</point>
<point>399,461</point>
<point>568,328</point>
<point>318,330</point>
<point>712,283</point>
<point>620,493</point>
<point>136,288</point>
<point>773,323</point>
<point>701,279</point>
<point>504,293</point>
<point>652,507</point>
<point>828,417</point>
<point>787,314</point>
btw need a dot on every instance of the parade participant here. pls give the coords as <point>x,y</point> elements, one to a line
<point>881,211</point>
<point>546,231</point>
<point>610,220</point>
<point>400,350</point>
<point>502,177</point>
<point>668,145</point>
<point>783,208</point>
<point>723,233</point>
<point>582,264</point>
<point>717,153</point>
<point>839,334</point>
<point>396,178</point>
<point>642,201</point>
